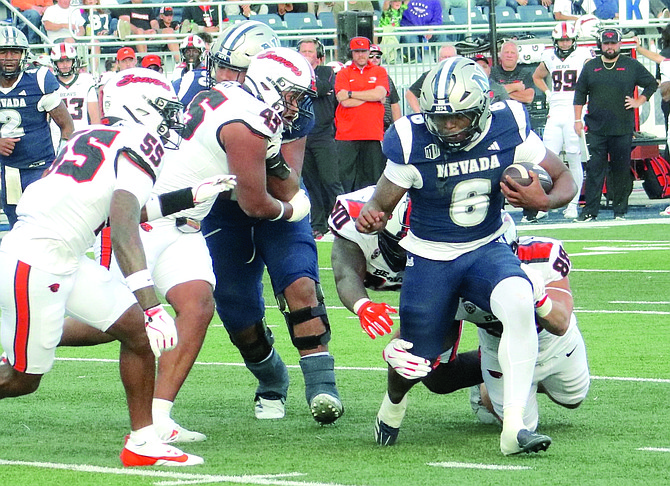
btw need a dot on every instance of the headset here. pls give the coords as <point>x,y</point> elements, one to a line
<point>320,50</point>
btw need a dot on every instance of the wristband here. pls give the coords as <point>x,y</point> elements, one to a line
<point>153,208</point>
<point>544,307</point>
<point>281,212</point>
<point>360,303</point>
<point>139,280</point>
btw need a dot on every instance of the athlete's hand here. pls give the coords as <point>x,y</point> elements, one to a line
<point>301,206</point>
<point>211,187</point>
<point>7,146</point>
<point>542,301</point>
<point>403,362</point>
<point>160,329</point>
<point>375,319</point>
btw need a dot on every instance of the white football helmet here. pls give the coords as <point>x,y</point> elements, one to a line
<point>192,49</point>
<point>147,97</point>
<point>563,31</point>
<point>456,86</point>
<point>13,38</point>
<point>63,52</point>
<point>587,26</point>
<point>282,78</point>
<point>336,65</point>
<point>238,44</point>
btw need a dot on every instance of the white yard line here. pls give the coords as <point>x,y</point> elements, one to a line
<point>654,449</point>
<point>468,465</point>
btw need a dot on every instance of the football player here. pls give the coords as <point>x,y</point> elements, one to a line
<point>77,89</point>
<point>103,175</point>
<point>242,247</point>
<point>28,99</point>
<point>563,64</point>
<point>190,76</point>
<point>450,158</point>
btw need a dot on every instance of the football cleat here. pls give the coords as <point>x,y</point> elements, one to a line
<point>385,434</point>
<point>326,408</point>
<point>480,410</point>
<point>156,454</point>
<point>585,218</point>
<point>665,212</point>
<point>269,407</point>
<point>570,213</point>
<point>171,432</point>
<point>526,441</point>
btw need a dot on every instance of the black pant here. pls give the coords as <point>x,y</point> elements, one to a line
<point>619,184</point>
<point>321,174</point>
<point>361,163</point>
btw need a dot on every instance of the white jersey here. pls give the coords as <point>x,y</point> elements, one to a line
<point>200,154</point>
<point>342,221</point>
<point>76,97</point>
<point>60,214</point>
<point>564,75</point>
<point>665,70</point>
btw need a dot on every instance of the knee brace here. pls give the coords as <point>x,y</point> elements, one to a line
<point>258,350</point>
<point>305,314</point>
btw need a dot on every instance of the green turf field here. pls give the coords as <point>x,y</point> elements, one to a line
<point>71,430</point>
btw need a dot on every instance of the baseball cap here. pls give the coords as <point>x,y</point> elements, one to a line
<point>125,53</point>
<point>375,48</point>
<point>166,11</point>
<point>481,57</point>
<point>150,60</point>
<point>359,44</point>
<point>610,35</point>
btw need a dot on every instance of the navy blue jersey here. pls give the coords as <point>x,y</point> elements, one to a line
<point>302,125</point>
<point>190,84</point>
<point>459,199</point>
<point>20,118</point>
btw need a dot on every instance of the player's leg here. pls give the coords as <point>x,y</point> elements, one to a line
<point>106,304</point>
<point>183,273</point>
<point>240,305</point>
<point>290,254</point>
<point>574,158</point>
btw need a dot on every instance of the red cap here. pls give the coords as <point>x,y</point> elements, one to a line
<point>359,44</point>
<point>375,48</point>
<point>150,60</point>
<point>125,53</point>
<point>166,11</point>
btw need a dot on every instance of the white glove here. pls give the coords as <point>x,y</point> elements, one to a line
<point>211,187</point>
<point>160,329</point>
<point>404,363</point>
<point>542,301</point>
<point>301,206</point>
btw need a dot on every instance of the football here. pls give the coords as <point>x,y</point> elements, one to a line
<point>519,173</point>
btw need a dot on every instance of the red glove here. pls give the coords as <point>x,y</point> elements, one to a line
<point>375,319</point>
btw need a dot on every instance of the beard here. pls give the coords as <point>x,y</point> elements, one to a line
<point>611,55</point>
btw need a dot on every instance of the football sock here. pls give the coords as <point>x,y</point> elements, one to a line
<point>161,409</point>
<point>392,413</point>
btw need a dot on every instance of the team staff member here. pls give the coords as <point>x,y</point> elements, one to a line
<point>361,89</point>
<point>608,83</point>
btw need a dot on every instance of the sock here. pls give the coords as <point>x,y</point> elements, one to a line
<point>161,409</point>
<point>391,413</point>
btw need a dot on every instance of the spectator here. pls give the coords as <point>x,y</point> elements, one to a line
<point>572,9</point>
<point>389,22</point>
<point>126,58</point>
<point>421,13</point>
<point>608,83</point>
<point>167,25</point>
<point>282,8</point>
<point>61,21</point>
<point>414,92</point>
<point>563,65</point>
<point>360,89</point>
<point>321,166</point>
<point>25,148</point>
<point>353,6</point>
<point>138,21</point>
<point>98,22</point>
<point>392,109</point>
<point>199,16</point>
<point>514,4</point>
<point>246,9</point>
<point>499,91</point>
<point>33,11</point>
<point>153,62</point>
<point>518,82</point>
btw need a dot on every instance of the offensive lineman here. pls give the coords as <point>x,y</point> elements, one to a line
<point>564,64</point>
<point>102,176</point>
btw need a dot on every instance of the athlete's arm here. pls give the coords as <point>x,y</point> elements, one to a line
<point>348,262</point>
<point>539,75</point>
<point>93,112</point>
<point>558,320</point>
<point>294,155</point>
<point>377,210</point>
<point>64,121</point>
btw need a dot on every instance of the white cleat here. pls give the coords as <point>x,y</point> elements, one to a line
<point>665,212</point>
<point>171,432</point>
<point>269,409</point>
<point>156,454</point>
<point>570,213</point>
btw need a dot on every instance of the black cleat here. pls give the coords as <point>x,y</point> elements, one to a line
<point>532,442</point>
<point>385,434</point>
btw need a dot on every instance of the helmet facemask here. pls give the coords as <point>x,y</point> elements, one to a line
<point>16,66</point>
<point>12,39</point>
<point>438,125</point>
<point>562,54</point>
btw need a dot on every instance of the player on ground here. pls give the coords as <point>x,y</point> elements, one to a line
<point>241,247</point>
<point>77,89</point>
<point>450,158</point>
<point>103,174</point>
<point>28,95</point>
<point>563,64</point>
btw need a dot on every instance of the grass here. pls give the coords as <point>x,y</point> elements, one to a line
<point>77,419</point>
